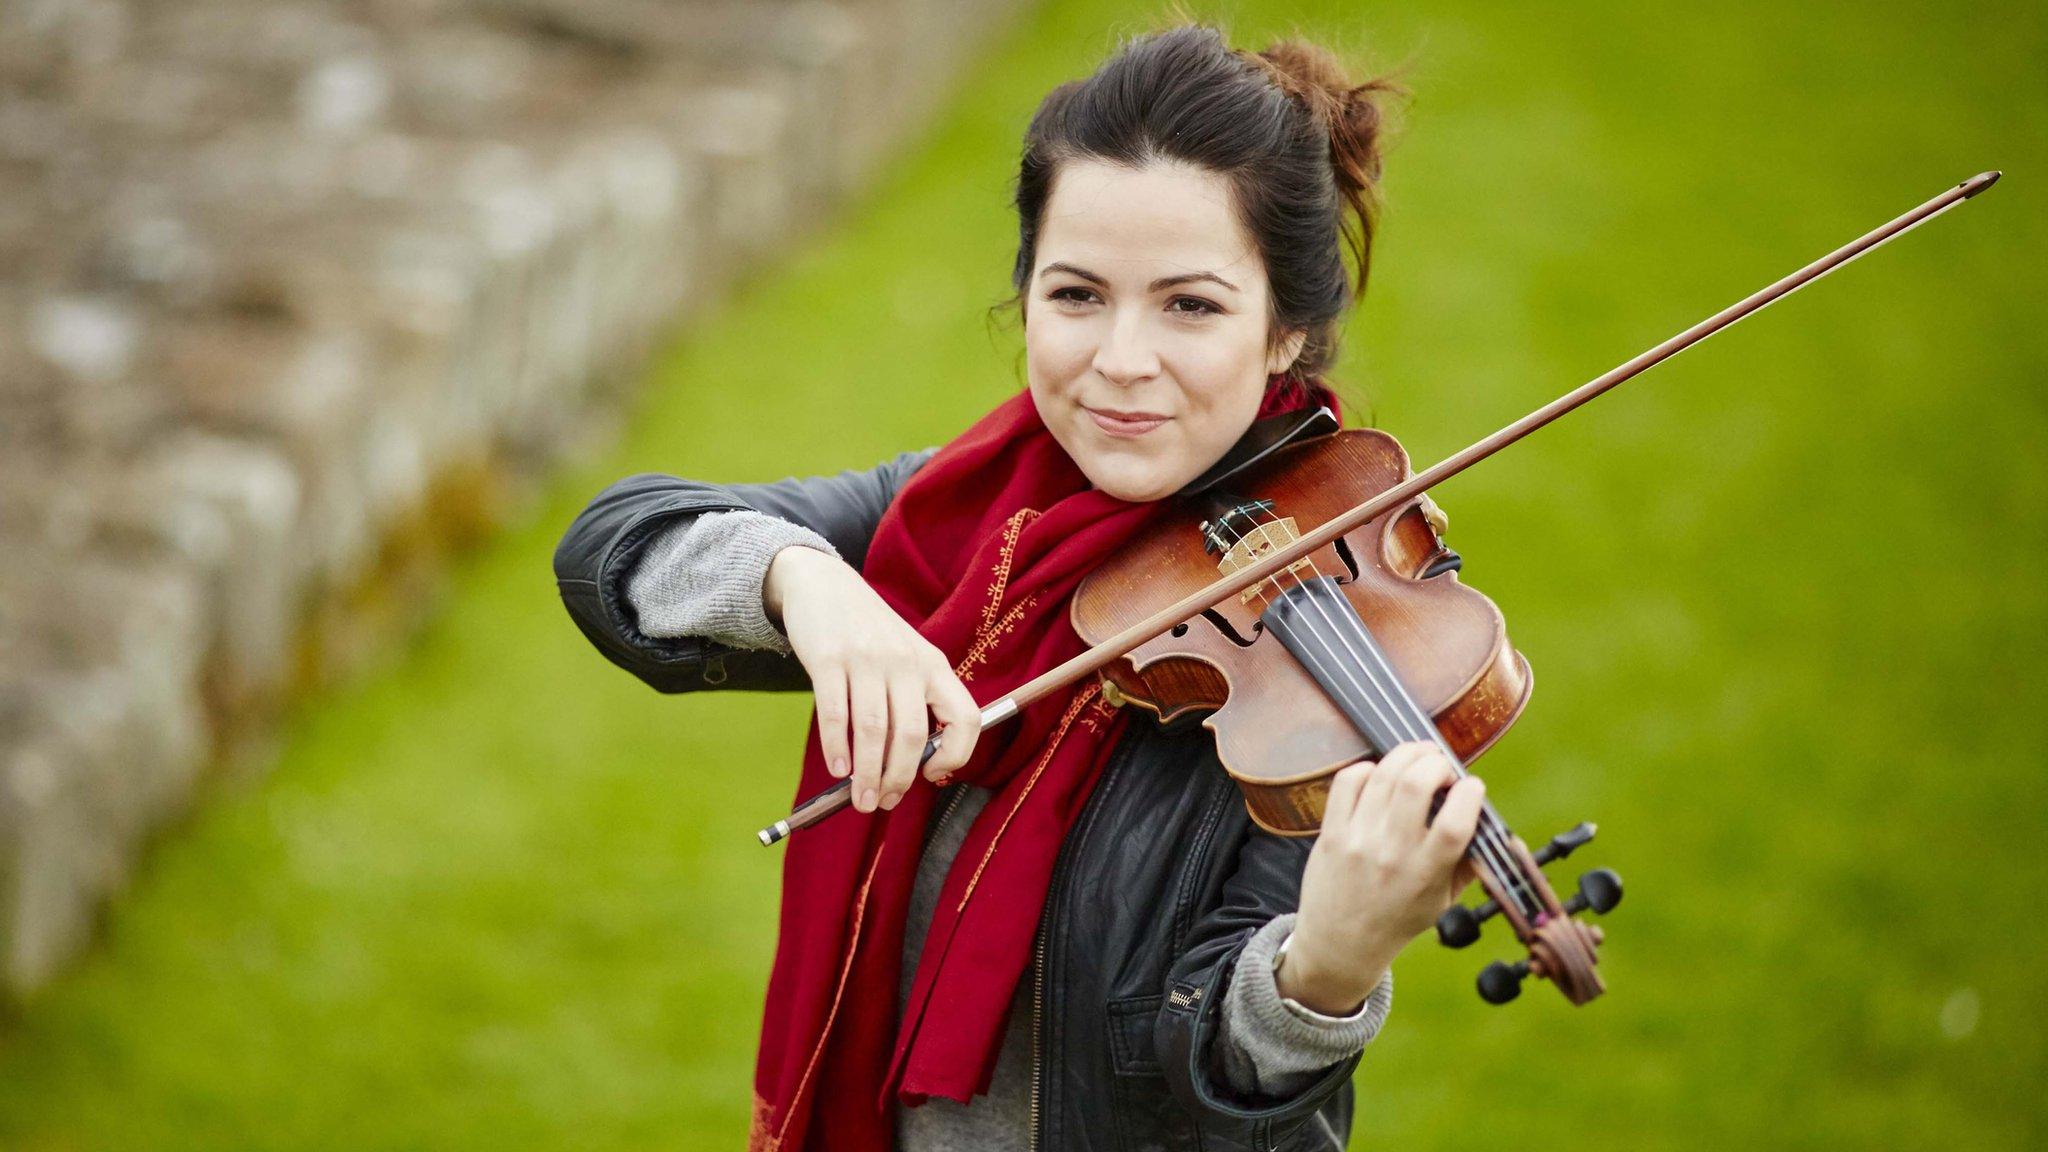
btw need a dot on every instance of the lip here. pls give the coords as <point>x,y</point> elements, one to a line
<point>1119,423</point>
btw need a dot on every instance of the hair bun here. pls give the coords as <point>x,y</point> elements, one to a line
<point>1351,114</point>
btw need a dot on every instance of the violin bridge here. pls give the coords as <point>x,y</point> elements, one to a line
<point>1436,516</point>
<point>1260,542</point>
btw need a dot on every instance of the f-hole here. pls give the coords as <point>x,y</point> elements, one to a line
<point>1343,547</point>
<point>1228,630</point>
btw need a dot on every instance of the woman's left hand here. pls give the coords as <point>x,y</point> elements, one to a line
<point>1380,873</point>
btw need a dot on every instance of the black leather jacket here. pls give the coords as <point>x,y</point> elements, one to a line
<point>1159,884</point>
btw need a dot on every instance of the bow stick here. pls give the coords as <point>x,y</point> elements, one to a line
<point>840,795</point>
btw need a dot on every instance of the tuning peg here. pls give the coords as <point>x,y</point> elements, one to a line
<point>1500,983</point>
<point>1599,890</point>
<point>1458,927</point>
<point>1566,842</point>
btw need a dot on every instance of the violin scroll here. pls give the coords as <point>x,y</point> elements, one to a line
<point>1562,949</point>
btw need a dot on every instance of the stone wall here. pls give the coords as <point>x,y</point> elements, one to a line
<point>291,289</point>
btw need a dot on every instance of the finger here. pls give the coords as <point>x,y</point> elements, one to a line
<point>1407,811</point>
<point>868,697</point>
<point>1379,788</point>
<point>1401,755</point>
<point>1345,788</point>
<point>1464,874</point>
<point>909,725</point>
<point>955,708</point>
<point>829,684</point>
<point>1456,822</point>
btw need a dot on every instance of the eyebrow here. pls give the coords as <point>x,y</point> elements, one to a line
<point>1156,285</point>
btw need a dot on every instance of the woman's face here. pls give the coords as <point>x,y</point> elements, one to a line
<point>1145,324</point>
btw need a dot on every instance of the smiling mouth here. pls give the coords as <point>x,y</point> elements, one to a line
<point>1125,423</point>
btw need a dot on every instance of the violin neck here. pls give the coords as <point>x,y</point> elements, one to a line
<point>1318,625</point>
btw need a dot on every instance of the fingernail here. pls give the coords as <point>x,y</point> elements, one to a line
<point>867,800</point>
<point>837,767</point>
<point>889,801</point>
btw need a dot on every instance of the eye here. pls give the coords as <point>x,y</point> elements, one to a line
<point>1071,295</point>
<point>1200,307</point>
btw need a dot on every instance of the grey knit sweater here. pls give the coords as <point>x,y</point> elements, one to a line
<point>702,578</point>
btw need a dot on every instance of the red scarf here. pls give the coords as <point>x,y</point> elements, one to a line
<point>979,552</point>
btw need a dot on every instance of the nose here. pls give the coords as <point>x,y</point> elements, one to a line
<point>1126,355</point>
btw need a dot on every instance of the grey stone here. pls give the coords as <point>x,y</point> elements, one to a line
<point>92,339</point>
<point>345,95</point>
<point>104,740</point>
<point>275,274</point>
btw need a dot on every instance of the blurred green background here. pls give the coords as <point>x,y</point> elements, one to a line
<point>1784,598</point>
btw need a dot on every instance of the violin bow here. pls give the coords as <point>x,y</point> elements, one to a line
<point>1094,659</point>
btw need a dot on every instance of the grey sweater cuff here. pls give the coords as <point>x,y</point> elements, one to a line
<point>702,578</point>
<point>1265,1048</point>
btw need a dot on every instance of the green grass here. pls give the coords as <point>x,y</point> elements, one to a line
<point>1783,596</point>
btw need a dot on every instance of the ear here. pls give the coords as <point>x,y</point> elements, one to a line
<point>1282,358</point>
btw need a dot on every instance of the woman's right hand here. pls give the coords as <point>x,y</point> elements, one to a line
<point>873,675</point>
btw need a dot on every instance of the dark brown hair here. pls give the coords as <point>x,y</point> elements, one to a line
<point>1299,143</point>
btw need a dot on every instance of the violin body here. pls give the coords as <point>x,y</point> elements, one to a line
<point>1277,733</point>
<point>1364,642</point>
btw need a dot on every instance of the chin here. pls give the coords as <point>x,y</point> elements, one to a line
<point>1131,480</point>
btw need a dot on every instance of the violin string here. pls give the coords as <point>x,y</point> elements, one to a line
<point>1490,851</point>
<point>1396,701</point>
<point>1490,833</point>
<point>1486,846</point>
<point>1420,727</point>
<point>1489,841</point>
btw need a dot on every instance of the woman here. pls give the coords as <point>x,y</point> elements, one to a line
<point>1073,935</point>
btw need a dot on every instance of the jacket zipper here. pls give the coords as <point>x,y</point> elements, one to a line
<point>1059,871</point>
<point>1037,1007</point>
<point>945,813</point>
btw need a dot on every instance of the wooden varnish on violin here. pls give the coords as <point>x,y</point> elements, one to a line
<point>1360,644</point>
<point>1279,736</point>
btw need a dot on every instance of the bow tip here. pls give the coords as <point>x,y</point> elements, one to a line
<point>1981,181</point>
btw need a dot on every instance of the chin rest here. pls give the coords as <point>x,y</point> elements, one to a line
<point>1261,440</point>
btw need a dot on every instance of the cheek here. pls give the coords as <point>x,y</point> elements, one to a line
<point>1057,350</point>
<point>1223,372</point>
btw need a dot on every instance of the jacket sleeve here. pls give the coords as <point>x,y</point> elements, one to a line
<point>1265,884</point>
<point>597,554</point>
<point>1264,1045</point>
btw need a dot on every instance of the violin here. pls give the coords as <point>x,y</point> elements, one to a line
<point>1319,632</point>
<point>1359,645</point>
